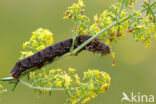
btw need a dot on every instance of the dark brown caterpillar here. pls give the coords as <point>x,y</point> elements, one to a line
<point>48,54</point>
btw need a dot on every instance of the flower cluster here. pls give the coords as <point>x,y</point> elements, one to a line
<point>40,39</point>
<point>79,90</point>
<point>141,26</point>
<point>134,25</point>
<point>75,13</point>
<point>106,19</point>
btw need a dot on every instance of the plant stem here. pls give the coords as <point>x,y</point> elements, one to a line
<point>122,5</point>
<point>40,88</point>
<point>74,40</point>
<point>118,17</point>
<point>98,34</point>
<point>103,30</point>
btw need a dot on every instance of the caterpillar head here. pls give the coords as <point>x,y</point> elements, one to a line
<point>104,49</point>
<point>98,47</point>
<point>16,71</point>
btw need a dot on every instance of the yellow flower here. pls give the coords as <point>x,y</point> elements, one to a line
<point>106,77</point>
<point>148,43</point>
<point>86,100</point>
<point>1,86</point>
<point>32,74</point>
<point>49,82</point>
<point>123,28</point>
<point>94,28</point>
<point>50,42</point>
<point>58,83</point>
<point>58,70</point>
<point>96,72</point>
<point>66,17</point>
<point>114,6</point>
<point>102,89</point>
<point>109,20</point>
<point>74,100</point>
<point>107,42</point>
<point>141,26</point>
<point>75,6</point>
<point>72,70</point>
<point>81,3</point>
<point>137,12</point>
<point>78,92</point>
<point>105,14</point>
<point>52,71</point>
<point>92,85</point>
<point>113,55</point>
<point>40,47</point>
<point>77,78</point>
<point>153,27</point>
<point>123,13</point>
<point>34,36</point>
<point>93,95</point>
<point>45,73</point>
<point>96,18</point>
<point>81,28</point>
<point>142,37</point>
<point>67,79</point>
<point>26,44</point>
<point>40,39</point>
<point>126,22</point>
<point>34,43</point>
<point>29,53</point>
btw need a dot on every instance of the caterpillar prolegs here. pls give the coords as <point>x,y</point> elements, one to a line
<point>48,54</point>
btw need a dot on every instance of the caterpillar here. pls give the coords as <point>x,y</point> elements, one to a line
<point>38,59</point>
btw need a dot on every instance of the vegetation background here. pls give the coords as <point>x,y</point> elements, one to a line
<point>135,70</point>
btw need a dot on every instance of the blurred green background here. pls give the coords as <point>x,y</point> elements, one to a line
<point>136,65</point>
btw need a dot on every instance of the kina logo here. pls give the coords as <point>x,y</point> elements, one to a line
<point>138,98</point>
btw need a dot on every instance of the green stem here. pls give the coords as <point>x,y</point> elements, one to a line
<point>149,9</point>
<point>103,30</point>
<point>42,88</point>
<point>118,17</point>
<point>74,41</point>
<point>98,34</point>
<point>123,1</point>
